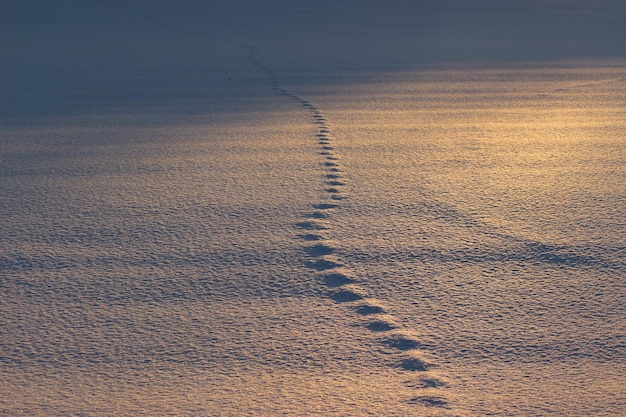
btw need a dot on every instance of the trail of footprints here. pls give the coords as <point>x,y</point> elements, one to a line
<point>400,346</point>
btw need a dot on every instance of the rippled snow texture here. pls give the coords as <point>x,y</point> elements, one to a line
<point>296,209</point>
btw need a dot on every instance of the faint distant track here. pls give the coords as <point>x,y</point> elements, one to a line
<point>138,13</point>
<point>398,344</point>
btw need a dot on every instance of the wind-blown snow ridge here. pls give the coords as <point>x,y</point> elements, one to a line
<point>399,344</point>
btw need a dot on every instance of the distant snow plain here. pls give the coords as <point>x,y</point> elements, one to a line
<point>403,208</point>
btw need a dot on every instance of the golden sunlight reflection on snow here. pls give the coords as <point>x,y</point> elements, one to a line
<point>498,186</point>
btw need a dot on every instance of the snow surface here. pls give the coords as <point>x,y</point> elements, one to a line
<point>389,208</point>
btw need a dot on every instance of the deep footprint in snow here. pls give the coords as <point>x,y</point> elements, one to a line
<point>380,326</point>
<point>318,215</point>
<point>325,206</point>
<point>310,237</point>
<point>346,296</point>
<point>337,279</point>
<point>414,364</point>
<point>319,250</point>
<point>323,264</point>
<point>401,342</point>
<point>311,226</point>
<point>427,382</point>
<point>368,310</point>
<point>429,401</point>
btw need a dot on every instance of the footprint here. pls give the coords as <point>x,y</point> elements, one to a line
<point>427,382</point>
<point>323,264</point>
<point>332,190</point>
<point>337,279</point>
<point>429,401</point>
<point>311,226</point>
<point>414,364</point>
<point>368,310</point>
<point>346,296</point>
<point>318,215</point>
<point>402,342</point>
<point>333,176</point>
<point>335,183</point>
<point>380,326</point>
<point>319,250</point>
<point>311,237</point>
<point>325,206</point>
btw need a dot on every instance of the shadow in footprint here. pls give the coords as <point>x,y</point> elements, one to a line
<point>323,265</point>
<point>402,343</point>
<point>337,280</point>
<point>310,237</point>
<point>368,310</point>
<point>310,226</point>
<point>325,206</point>
<point>429,401</point>
<point>318,215</point>
<point>424,383</point>
<point>414,364</point>
<point>345,296</point>
<point>320,250</point>
<point>380,326</point>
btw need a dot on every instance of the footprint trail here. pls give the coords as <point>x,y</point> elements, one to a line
<point>401,347</point>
